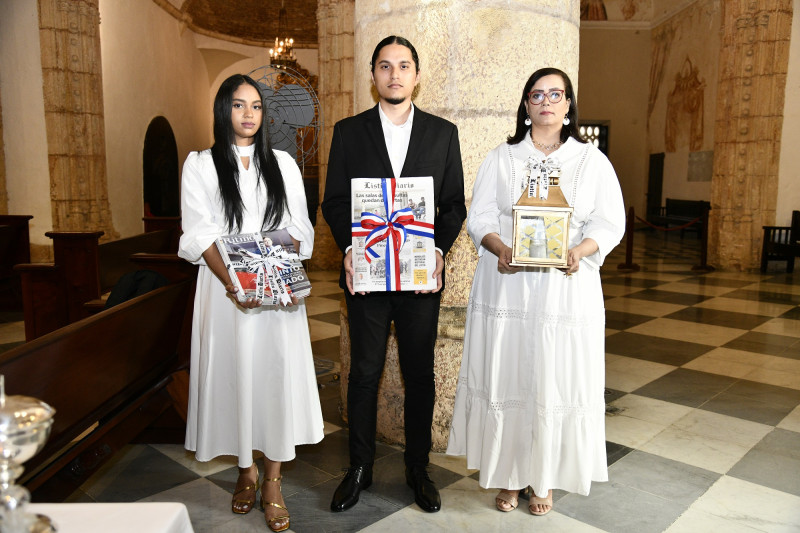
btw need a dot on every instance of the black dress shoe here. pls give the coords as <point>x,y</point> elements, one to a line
<point>425,492</point>
<point>357,479</point>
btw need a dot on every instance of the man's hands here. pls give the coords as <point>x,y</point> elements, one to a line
<point>349,272</point>
<point>437,275</point>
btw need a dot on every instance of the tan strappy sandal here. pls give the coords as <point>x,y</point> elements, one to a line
<point>264,504</point>
<point>535,500</point>
<point>242,505</point>
<point>510,497</point>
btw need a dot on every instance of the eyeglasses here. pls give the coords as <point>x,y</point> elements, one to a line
<point>553,95</point>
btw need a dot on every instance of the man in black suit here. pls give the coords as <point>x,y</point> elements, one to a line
<point>393,139</point>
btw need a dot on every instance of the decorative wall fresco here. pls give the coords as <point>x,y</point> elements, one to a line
<point>617,10</point>
<point>685,108</point>
<point>593,10</point>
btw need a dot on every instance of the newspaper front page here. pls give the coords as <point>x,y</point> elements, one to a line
<point>393,246</point>
<point>264,266</point>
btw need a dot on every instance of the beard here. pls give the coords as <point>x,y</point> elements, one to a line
<point>395,101</point>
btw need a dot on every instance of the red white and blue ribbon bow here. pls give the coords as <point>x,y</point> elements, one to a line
<point>394,229</point>
<point>271,268</point>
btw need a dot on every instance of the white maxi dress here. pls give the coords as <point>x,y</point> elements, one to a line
<point>529,408</point>
<point>252,381</point>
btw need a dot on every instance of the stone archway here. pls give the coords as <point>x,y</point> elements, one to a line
<point>160,183</point>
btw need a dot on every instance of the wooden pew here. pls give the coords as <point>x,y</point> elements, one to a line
<point>83,270</point>
<point>15,248</point>
<point>781,243</point>
<point>678,212</point>
<point>106,375</point>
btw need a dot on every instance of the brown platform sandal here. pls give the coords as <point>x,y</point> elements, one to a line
<point>509,497</point>
<point>249,502</point>
<point>264,504</point>
<point>535,500</point>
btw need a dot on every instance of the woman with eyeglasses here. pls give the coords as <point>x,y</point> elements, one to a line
<point>529,409</point>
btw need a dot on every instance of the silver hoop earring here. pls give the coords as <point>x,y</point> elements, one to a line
<point>528,121</point>
<point>566,120</point>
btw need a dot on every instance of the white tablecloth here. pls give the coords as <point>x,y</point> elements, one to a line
<point>155,517</point>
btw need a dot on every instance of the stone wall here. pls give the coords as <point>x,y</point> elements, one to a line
<point>754,60</point>
<point>336,48</point>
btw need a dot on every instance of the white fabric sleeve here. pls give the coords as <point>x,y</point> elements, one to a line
<point>199,187</point>
<point>296,221</point>
<point>484,213</point>
<point>606,223</point>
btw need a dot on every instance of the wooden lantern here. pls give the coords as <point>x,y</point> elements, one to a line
<point>541,226</point>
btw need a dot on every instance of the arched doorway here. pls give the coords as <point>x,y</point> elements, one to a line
<point>161,188</point>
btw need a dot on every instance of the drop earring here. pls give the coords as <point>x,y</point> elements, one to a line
<point>566,120</point>
<point>527,121</point>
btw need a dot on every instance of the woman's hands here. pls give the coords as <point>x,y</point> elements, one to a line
<point>574,255</point>
<point>495,244</point>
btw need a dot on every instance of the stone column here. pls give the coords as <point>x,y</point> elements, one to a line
<point>475,58</point>
<point>73,101</point>
<point>754,59</point>
<point>335,31</point>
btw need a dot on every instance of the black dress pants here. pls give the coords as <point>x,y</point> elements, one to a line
<point>416,318</point>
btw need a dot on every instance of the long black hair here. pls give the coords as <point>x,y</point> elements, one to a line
<point>267,168</point>
<point>394,39</point>
<point>571,130</point>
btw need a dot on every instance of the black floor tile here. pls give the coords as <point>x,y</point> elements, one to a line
<point>150,472</point>
<point>612,395</point>
<point>766,343</point>
<point>716,317</point>
<point>620,320</point>
<point>666,478</point>
<point>655,349</point>
<point>786,278</point>
<point>643,283</point>
<point>716,282</point>
<point>774,462</point>
<point>311,510</point>
<point>332,455</point>
<point>330,318</point>
<point>326,348</point>
<point>668,297</point>
<point>615,452</point>
<point>794,314</point>
<point>765,296</point>
<point>686,387</point>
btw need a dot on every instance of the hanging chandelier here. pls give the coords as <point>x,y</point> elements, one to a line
<point>282,55</point>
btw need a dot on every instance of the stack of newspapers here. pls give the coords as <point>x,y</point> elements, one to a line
<point>264,266</point>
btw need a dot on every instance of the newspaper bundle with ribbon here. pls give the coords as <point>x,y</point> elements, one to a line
<point>392,229</point>
<point>264,266</point>
<point>541,217</point>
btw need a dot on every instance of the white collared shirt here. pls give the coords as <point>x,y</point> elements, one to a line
<point>397,138</point>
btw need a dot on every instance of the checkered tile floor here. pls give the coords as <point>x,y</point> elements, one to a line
<point>703,425</point>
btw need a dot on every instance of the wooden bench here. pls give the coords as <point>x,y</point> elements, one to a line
<point>106,376</point>
<point>69,289</point>
<point>678,212</point>
<point>781,243</point>
<point>14,249</point>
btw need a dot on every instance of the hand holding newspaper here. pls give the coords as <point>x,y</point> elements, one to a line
<point>264,266</point>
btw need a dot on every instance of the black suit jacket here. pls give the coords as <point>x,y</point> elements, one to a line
<point>358,150</point>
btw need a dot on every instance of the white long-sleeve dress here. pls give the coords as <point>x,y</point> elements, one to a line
<point>252,380</point>
<point>529,406</point>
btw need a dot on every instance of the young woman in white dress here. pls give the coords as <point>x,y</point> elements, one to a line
<point>252,381</point>
<point>529,409</point>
